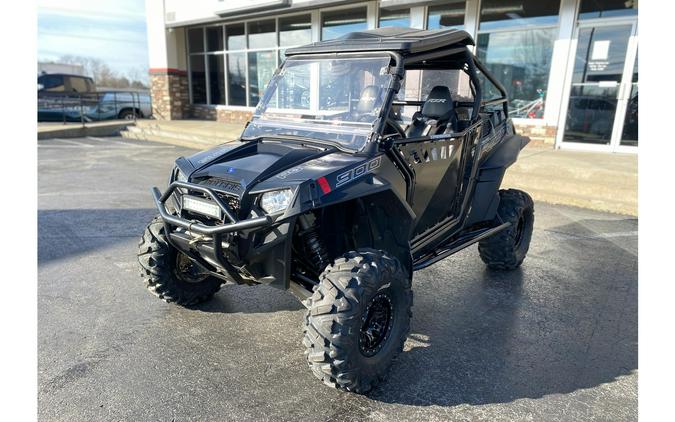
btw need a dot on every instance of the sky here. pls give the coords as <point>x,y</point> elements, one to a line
<point>110,30</point>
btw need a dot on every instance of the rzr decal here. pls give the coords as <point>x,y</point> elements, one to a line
<point>289,172</point>
<point>357,172</point>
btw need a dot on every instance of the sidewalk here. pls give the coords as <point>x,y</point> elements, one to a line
<point>199,134</point>
<point>599,181</point>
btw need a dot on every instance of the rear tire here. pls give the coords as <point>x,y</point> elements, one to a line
<point>358,320</point>
<point>168,273</point>
<point>128,114</point>
<point>507,249</point>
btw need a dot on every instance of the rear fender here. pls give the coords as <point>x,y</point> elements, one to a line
<point>489,178</point>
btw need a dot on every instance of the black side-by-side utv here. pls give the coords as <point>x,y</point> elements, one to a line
<point>367,158</point>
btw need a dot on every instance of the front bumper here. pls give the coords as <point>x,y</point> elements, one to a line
<point>234,225</point>
<point>256,260</point>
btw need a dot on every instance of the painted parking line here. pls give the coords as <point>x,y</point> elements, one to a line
<point>68,141</point>
<point>115,193</point>
<point>111,141</point>
<point>112,145</point>
<point>595,235</point>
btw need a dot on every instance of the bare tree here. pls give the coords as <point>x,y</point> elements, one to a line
<point>104,76</point>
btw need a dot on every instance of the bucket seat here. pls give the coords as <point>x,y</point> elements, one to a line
<point>437,115</point>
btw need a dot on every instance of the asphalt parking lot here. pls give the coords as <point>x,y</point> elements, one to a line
<point>555,340</point>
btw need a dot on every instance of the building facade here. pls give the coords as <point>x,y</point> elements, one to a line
<point>570,66</point>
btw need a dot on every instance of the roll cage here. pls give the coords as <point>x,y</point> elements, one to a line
<point>411,49</point>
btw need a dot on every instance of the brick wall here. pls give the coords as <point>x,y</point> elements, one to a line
<point>219,114</point>
<point>169,91</point>
<point>538,134</point>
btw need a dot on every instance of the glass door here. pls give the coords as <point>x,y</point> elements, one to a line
<point>629,131</point>
<point>601,110</point>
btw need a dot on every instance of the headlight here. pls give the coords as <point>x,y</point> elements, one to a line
<point>275,201</point>
<point>180,176</point>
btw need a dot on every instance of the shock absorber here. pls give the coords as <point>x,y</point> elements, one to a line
<point>313,245</point>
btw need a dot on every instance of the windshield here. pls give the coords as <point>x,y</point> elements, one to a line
<point>330,99</point>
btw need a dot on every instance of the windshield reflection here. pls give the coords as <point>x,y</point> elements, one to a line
<point>335,100</point>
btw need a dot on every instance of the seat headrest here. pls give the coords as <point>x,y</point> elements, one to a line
<point>369,97</point>
<point>439,104</point>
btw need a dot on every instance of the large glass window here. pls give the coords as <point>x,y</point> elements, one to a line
<point>418,84</point>
<point>214,38</point>
<point>337,23</point>
<point>236,37</point>
<point>216,78</point>
<point>233,63</point>
<point>497,14</point>
<point>449,15</point>
<point>236,76</point>
<point>629,135</point>
<point>198,79</point>
<point>262,34</point>
<point>515,42</point>
<point>261,66</point>
<point>399,17</point>
<point>196,40</point>
<point>521,61</point>
<point>592,9</point>
<point>295,30</point>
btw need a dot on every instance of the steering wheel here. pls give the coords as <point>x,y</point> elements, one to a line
<point>397,127</point>
<point>368,118</point>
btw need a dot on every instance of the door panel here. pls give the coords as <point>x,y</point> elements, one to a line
<point>438,168</point>
<point>629,133</point>
<point>590,114</point>
<point>596,86</point>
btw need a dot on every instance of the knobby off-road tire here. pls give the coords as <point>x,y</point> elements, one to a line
<point>354,293</point>
<point>506,250</point>
<point>161,267</point>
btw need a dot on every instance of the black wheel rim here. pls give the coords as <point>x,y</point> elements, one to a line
<point>376,325</point>
<point>188,271</point>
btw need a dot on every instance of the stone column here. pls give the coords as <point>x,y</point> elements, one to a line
<point>169,91</point>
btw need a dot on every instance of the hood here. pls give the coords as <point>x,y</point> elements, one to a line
<point>264,165</point>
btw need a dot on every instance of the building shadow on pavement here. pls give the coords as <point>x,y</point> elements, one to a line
<point>539,330</point>
<point>63,233</point>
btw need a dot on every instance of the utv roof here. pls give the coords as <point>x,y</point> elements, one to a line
<point>404,41</point>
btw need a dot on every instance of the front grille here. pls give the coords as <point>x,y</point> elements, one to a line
<point>226,189</point>
<point>230,200</point>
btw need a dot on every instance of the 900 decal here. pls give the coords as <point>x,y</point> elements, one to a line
<point>357,172</point>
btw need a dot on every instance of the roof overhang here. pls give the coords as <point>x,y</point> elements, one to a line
<point>249,6</point>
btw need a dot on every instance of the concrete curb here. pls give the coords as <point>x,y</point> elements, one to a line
<point>76,130</point>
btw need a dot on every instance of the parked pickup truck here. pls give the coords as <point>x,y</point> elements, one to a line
<point>93,106</point>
